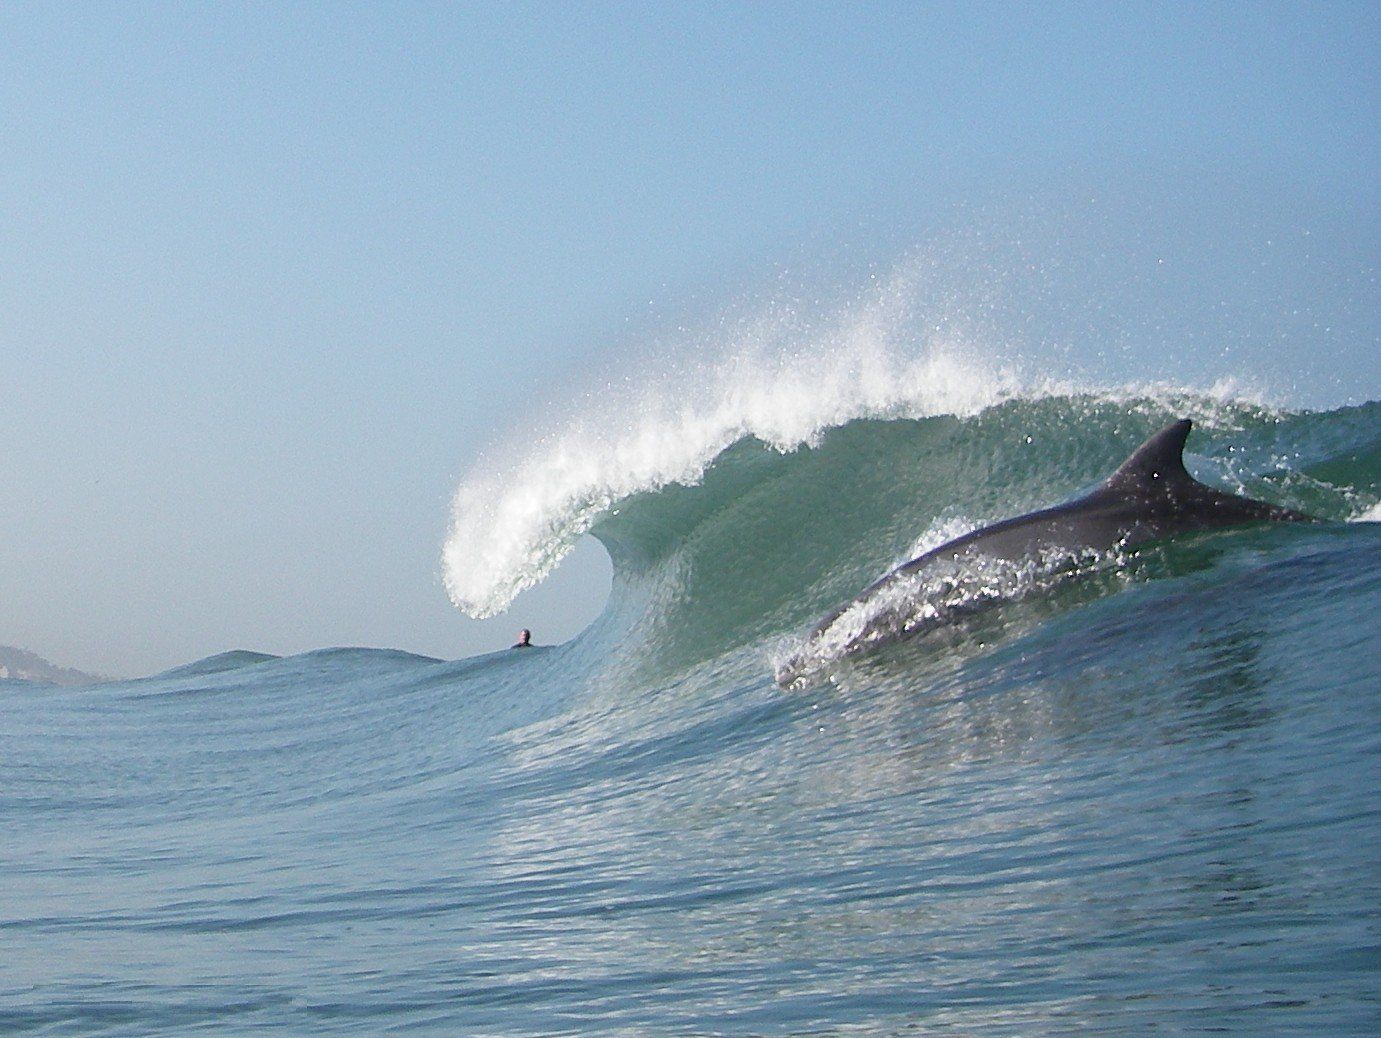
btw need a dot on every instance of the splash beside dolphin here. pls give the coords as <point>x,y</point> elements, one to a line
<point>1151,496</point>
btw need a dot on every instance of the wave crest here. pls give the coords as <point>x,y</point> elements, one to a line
<point>778,378</point>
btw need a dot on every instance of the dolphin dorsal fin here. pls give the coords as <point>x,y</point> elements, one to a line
<point>1158,464</point>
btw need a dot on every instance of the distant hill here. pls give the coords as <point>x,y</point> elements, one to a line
<point>26,666</point>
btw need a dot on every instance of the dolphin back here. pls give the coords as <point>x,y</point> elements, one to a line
<point>1150,496</point>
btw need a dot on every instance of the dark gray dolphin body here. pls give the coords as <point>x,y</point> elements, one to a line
<point>1149,497</point>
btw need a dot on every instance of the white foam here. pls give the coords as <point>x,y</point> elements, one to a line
<point>904,604</point>
<point>1369,515</point>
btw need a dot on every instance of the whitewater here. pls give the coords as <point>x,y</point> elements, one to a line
<point>1142,799</point>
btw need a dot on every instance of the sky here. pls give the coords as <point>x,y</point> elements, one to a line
<point>272,277</point>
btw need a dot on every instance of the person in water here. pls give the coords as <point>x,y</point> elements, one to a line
<point>524,639</point>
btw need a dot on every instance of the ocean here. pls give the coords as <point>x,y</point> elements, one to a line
<point>1141,799</point>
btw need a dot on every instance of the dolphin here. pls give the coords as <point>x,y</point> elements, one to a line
<point>1150,496</point>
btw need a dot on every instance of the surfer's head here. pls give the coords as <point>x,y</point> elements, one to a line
<point>524,639</point>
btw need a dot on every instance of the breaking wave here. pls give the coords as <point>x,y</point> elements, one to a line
<point>775,491</point>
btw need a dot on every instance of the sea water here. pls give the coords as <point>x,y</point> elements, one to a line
<point>1145,801</point>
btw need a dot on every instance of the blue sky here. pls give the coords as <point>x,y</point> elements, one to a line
<point>271,276</point>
